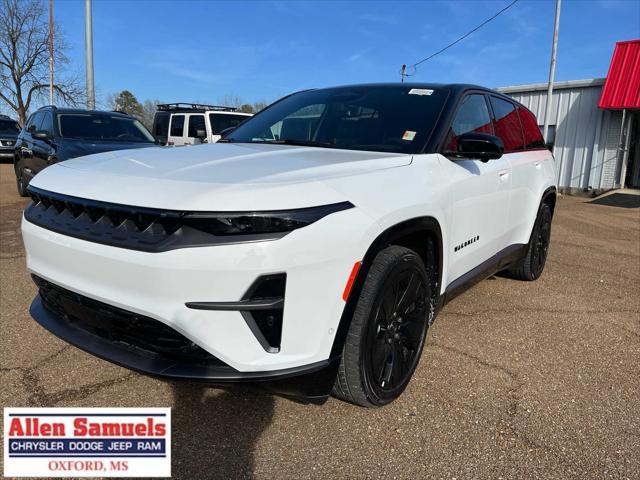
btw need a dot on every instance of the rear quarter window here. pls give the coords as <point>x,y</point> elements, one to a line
<point>177,125</point>
<point>532,136</point>
<point>507,124</point>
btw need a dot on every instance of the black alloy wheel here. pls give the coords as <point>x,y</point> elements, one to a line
<point>388,329</point>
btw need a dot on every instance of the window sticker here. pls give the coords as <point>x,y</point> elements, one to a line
<point>409,135</point>
<point>420,91</point>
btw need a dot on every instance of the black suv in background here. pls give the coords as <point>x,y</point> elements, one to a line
<point>9,130</point>
<point>55,134</point>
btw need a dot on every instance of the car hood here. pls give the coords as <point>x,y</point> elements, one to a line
<point>214,176</point>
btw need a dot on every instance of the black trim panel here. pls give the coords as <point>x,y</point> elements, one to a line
<point>496,263</point>
<point>261,304</point>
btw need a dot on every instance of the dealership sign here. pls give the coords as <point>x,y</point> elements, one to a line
<point>87,442</point>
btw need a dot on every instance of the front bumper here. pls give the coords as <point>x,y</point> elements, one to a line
<point>6,154</point>
<point>312,382</point>
<point>316,259</point>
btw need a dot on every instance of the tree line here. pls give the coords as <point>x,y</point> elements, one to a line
<point>24,69</point>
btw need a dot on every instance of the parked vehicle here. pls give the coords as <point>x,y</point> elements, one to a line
<point>310,249</point>
<point>189,123</point>
<point>9,130</point>
<point>55,134</point>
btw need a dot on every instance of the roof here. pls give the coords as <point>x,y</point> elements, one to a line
<point>622,89</point>
<point>537,87</point>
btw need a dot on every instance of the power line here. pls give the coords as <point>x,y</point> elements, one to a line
<point>415,65</point>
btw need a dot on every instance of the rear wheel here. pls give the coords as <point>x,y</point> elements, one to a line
<point>531,266</point>
<point>388,329</point>
<point>21,182</point>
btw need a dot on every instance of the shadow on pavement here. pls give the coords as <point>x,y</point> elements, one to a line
<point>214,431</point>
<point>623,200</point>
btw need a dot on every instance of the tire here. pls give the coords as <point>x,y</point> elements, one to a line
<point>21,183</point>
<point>531,266</point>
<point>387,331</point>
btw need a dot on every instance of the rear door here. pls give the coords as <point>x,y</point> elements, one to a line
<point>479,194</point>
<point>176,130</point>
<point>195,126</point>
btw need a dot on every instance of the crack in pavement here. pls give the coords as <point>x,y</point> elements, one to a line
<point>513,394</point>
<point>36,395</point>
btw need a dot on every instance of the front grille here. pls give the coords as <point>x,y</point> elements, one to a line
<point>129,330</point>
<point>137,228</point>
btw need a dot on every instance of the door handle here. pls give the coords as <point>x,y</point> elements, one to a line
<point>504,175</point>
<point>538,165</point>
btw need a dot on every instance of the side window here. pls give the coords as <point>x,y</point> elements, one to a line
<point>507,124</point>
<point>196,122</point>
<point>35,122</point>
<point>177,125</point>
<point>472,116</point>
<point>532,136</point>
<point>47,123</point>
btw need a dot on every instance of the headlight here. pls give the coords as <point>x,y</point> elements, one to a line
<point>255,223</point>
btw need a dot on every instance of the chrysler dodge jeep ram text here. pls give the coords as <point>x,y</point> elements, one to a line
<point>310,249</point>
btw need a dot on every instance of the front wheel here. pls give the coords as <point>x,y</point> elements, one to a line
<point>388,329</point>
<point>21,182</point>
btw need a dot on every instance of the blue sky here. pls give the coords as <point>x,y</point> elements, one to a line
<point>203,50</point>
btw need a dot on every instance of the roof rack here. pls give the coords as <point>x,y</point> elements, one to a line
<point>193,106</point>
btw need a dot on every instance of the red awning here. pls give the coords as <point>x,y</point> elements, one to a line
<point>622,88</point>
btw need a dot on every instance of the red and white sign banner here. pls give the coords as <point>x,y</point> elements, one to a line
<point>87,442</point>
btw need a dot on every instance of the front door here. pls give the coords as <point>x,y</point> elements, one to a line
<point>479,194</point>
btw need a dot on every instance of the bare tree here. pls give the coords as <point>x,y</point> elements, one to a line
<point>24,58</point>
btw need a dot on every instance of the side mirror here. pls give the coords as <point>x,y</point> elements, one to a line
<point>41,135</point>
<point>201,134</point>
<point>479,145</point>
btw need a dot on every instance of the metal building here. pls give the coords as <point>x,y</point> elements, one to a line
<point>595,137</point>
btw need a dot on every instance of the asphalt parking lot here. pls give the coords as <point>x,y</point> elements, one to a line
<point>518,380</point>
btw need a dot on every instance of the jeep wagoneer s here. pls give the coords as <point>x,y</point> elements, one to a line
<point>309,250</point>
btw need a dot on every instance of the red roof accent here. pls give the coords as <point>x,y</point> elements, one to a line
<point>622,88</point>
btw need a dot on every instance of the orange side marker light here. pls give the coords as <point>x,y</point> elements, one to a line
<point>352,277</point>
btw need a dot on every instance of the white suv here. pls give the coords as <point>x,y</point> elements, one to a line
<point>190,124</point>
<point>309,251</point>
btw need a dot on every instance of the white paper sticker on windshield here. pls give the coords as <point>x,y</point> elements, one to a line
<point>408,135</point>
<point>420,91</point>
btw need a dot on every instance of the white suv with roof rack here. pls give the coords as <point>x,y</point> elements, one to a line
<point>192,123</point>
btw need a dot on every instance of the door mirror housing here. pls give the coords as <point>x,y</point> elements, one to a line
<point>41,135</point>
<point>201,134</point>
<point>482,146</point>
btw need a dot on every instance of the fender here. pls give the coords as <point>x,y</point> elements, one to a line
<point>428,225</point>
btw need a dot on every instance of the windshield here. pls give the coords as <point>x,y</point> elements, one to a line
<point>222,121</point>
<point>378,118</point>
<point>98,126</point>
<point>9,127</point>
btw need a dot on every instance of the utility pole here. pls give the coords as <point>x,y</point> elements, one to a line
<point>50,52</point>
<point>88,42</point>
<point>552,72</point>
<point>403,72</point>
